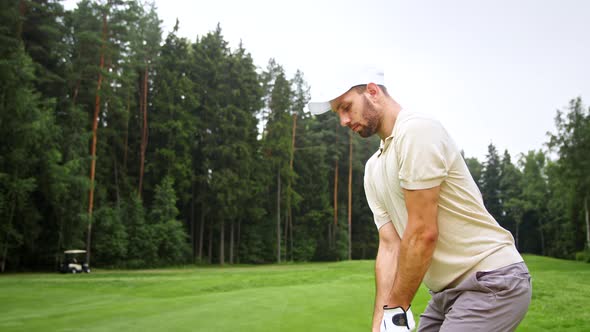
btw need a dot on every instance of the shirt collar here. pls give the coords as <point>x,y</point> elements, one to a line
<point>385,143</point>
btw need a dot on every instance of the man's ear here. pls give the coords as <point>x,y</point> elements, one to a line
<point>373,90</point>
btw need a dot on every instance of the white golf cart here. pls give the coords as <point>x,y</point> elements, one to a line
<point>74,262</point>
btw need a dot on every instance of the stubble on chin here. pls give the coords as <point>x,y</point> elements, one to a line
<point>371,117</point>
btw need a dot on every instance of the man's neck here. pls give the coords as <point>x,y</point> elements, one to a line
<point>390,113</point>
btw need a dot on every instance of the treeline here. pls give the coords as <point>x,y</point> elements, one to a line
<point>149,150</point>
<point>163,151</point>
<point>543,201</point>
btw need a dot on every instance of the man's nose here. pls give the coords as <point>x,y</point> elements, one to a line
<point>344,120</point>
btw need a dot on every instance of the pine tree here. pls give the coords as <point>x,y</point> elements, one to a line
<point>168,233</point>
<point>173,127</point>
<point>475,169</point>
<point>26,140</point>
<point>511,192</point>
<point>534,194</point>
<point>142,248</point>
<point>572,142</point>
<point>490,183</point>
<point>277,137</point>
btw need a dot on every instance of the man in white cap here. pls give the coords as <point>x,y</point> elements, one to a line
<point>433,226</point>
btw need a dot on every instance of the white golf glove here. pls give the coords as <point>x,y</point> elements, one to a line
<point>396,319</point>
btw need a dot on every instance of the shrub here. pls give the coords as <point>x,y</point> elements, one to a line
<point>583,256</point>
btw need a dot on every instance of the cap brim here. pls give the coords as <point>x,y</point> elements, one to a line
<point>318,107</point>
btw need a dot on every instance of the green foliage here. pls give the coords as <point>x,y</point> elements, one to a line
<point>168,235</point>
<point>510,187</point>
<point>142,249</point>
<point>110,237</point>
<point>221,135</point>
<point>572,142</point>
<point>26,145</point>
<point>475,168</point>
<point>164,205</point>
<point>490,183</point>
<point>560,229</point>
<point>583,256</point>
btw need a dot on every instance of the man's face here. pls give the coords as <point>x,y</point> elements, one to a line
<point>357,112</point>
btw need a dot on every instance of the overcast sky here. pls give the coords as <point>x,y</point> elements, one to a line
<point>491,71</point>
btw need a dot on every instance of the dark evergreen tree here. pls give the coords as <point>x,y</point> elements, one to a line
<point>475,168</point>
<point>26,144</point>
<point>510,190</point>
<point>534,194</point>
<point>490,183</point>
<point>572,143</point>
<point>168,233</point>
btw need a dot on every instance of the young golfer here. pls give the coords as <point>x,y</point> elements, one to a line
<point>433,225</point>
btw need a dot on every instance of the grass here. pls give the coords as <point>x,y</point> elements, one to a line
<point>295,297</point>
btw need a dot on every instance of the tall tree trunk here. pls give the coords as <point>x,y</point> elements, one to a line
<point>542,233</point>
<point>201,231</point>
<point>75,94</point>
<point>587,215</point>
<point>278,215</point>
<point>222,243</point>
<point>60,240</point>
<point>144,132</point>
<point>286,228</point>
<point>231,242</point>
<point>115,172</point>
<point>107,102</point>
<point>335,228</point>
<point>238,244</point>
<point>94,134</point>
<point>330,235</point>
<point>291,235</point>
<point>289,208</point>
<point>350,196</point>
<point>4,256</point>
<point>126,133</point>
<point>7,238</point>
<point>193,228</point>
<point>22,11</point>
<point>210,253</point>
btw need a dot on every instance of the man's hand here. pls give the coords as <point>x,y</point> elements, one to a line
<point>397,319</point>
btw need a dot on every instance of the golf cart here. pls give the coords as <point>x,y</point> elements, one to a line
<point>74,262</point>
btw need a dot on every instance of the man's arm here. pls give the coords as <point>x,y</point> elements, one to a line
<point>385,267</point>
<point>417,245</point>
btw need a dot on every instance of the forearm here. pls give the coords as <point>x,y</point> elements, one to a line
<point>415,255</point>
<point>385,271</point>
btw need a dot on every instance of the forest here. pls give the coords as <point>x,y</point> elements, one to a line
<point>150,149</point>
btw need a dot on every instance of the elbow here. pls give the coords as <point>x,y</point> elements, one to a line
<point>388,242</point>
<point>388,237</point>
<point>429,237</point>
<point>424,237</point>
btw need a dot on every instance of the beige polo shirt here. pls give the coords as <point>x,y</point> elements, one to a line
<point>420,154</point>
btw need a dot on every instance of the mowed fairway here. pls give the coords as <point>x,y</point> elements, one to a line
<point>298,297</point>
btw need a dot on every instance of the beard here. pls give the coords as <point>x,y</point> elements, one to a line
<point>372,118</point>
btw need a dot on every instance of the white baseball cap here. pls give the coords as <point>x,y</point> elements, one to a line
<point>339,83</point>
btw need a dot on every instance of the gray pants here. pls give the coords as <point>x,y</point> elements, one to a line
<point>486,301</point>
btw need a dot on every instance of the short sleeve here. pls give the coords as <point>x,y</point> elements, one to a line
<point>380,215</point>
<point>423,153</point>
